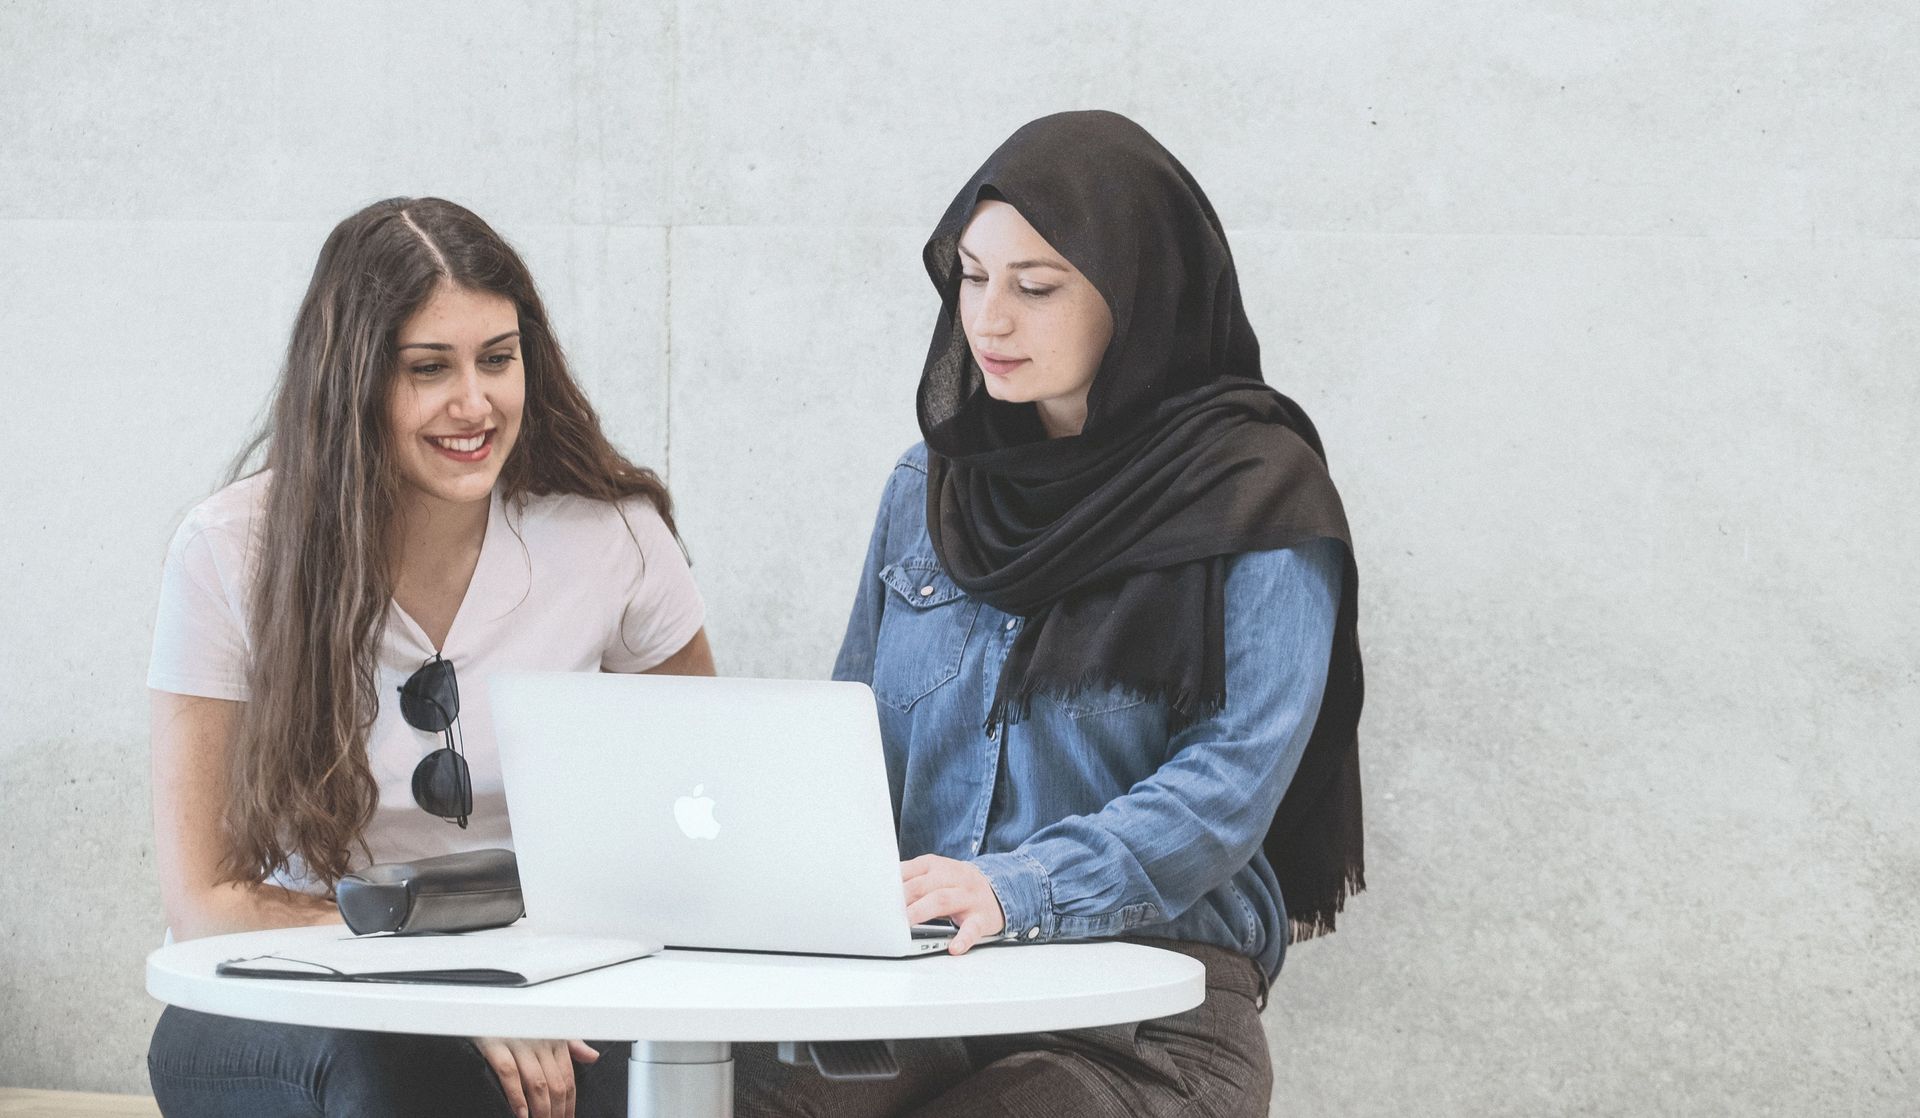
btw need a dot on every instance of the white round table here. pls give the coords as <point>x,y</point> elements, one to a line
<point>684,1009</point>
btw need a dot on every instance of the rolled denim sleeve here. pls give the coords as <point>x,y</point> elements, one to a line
<point>1150,854</point>
<point>1025,892</point>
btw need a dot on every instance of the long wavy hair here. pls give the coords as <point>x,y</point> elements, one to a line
<point>300,785</point>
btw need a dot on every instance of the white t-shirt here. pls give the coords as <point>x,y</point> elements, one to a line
<point>560,586</point>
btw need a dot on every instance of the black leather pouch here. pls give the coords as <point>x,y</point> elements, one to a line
<point>452,893</point>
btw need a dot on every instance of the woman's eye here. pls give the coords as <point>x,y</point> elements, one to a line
<point>499,360</point>
<point>427,370</point>
<point>1037,292</point>
<point>966,277</point>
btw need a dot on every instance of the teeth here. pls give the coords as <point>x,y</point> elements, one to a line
<point>462,446</point>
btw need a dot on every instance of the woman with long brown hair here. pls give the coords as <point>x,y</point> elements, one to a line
<point>436,502</point>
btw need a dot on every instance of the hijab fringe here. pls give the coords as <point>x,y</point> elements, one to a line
<point>1319,922</point>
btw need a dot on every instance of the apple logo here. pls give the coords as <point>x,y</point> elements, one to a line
<point>695,815</point>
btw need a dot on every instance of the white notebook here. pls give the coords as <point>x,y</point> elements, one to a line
<point>495,957</point>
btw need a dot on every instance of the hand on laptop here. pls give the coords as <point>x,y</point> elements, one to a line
<point>957,890</point>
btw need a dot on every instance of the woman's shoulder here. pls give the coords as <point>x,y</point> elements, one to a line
<point>900,524</point>
<point>904,501</point>
<point>576,523</point>
<point>227,520</point>
<point>576,511</point>
<point>907,481</point>
<point>1316,565</point>
<point>913,460</point>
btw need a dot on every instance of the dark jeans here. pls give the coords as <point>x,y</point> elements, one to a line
<point>203,1066</point>
<point>1211,1060</point>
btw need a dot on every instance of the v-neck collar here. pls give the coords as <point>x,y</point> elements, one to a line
<point>492,576</point>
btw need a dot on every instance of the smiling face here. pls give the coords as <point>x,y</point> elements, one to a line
<point>456,395</point>
<point>1037,327</point>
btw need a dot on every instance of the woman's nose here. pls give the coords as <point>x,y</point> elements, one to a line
<point>996,314</point>
<point>469,398</point>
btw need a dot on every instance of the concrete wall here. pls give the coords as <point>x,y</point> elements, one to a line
<point>1607,312</point>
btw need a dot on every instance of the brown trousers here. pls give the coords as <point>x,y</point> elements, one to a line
<point>1211,1060</point>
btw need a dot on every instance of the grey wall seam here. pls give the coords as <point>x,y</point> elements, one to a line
<point>666,373</point>
<point>673,216</point>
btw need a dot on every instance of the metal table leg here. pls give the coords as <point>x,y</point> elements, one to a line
<point>680,1080</point>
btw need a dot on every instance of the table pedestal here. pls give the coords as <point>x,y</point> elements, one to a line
<point>671,1080</point>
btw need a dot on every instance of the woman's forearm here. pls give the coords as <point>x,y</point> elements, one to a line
<point>235,907</point>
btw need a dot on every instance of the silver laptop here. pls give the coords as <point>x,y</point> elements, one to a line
<point>746,814</point>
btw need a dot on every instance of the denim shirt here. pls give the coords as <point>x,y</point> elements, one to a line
<point>1088,817</point>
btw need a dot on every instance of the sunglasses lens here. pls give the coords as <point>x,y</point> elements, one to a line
<point>441,785</point>
<point>429,699</point>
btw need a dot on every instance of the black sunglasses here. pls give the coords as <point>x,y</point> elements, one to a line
<point>430,701</point>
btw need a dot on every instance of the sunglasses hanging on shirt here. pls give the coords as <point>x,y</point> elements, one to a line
<point>430,701</point>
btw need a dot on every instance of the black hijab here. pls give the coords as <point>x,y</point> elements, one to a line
<point>1114,543</point>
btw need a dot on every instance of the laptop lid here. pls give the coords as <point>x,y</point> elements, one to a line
<point>750,814</point>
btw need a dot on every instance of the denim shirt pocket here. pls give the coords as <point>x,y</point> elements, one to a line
<point>1089,703</point>
<point>923,632</point>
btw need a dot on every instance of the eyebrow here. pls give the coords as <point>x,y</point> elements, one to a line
<point>1018,265</point>
<point>488,344</point>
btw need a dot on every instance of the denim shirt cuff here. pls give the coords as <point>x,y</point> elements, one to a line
<point>1025,893</point>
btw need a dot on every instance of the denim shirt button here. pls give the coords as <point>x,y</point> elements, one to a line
<point>1033,933</point>
<point>1011,623</point>
<point>926,591</point>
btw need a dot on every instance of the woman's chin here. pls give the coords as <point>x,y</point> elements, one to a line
<point>472,488</point>
<point>999,388</point>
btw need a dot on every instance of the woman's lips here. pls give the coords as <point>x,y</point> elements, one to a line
<point>999,366</point>
<point>463,448</point>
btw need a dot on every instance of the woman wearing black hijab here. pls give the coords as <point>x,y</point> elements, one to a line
<point>1108,612</point>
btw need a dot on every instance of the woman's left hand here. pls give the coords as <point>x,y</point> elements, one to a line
<point>536,1075</point>
<point>937,887</point>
